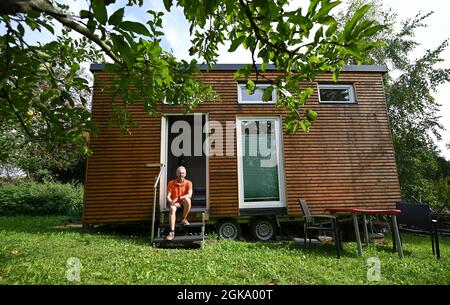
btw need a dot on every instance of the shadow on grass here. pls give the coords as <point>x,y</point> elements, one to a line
<point>140,235</point>
<point>328,250</point>
<point>55,224</point>
<point>137,234</point>
<point>316,250</point>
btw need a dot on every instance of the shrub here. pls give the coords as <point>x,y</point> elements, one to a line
<point>31,198</point>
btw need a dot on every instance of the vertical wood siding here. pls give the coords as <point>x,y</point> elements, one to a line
<point>347,159</point>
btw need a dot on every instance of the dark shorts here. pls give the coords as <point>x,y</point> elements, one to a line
<point>178,205</point>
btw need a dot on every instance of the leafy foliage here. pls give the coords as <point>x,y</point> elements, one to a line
<point>412,109</point>
<point>44,93</point>
<point>44,98</point>
<point>42,88</point>
<point>301,42</point>
<point>31,198</point>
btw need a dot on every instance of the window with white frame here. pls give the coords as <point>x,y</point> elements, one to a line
<point>255,97</point>
<point>336,93</point>
<point>260,163</point>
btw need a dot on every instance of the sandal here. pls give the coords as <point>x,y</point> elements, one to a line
<point>171,235</point>
<point>185,222</point>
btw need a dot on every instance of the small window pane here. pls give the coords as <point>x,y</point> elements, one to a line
<point>256,96</point>
<point>336,93</point>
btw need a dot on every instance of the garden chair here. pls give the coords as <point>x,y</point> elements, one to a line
<point>417,218</point>
<point>324,223</point>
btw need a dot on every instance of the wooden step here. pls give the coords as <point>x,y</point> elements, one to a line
<point>192,210</point>
<point>179,226</point>
<point>185,239</point>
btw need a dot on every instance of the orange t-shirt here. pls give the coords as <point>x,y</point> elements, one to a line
<point>176,188</point>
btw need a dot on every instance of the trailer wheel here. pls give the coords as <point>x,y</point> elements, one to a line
<point>229,229</point>
<point>263,229</point>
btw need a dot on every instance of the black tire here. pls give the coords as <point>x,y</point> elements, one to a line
<point>229,229</point>
<point>263,229</point>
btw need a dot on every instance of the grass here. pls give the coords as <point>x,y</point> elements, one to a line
<point>33,251</point>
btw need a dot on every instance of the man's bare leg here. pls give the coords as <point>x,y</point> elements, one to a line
<point>186,207</point>
<point>172,216</point>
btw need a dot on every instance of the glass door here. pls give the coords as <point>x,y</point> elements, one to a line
<point>260,168</point>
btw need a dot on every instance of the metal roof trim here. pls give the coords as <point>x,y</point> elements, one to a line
<point>270,67</point>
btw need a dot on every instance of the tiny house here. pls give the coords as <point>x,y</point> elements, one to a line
<point>242,163</point>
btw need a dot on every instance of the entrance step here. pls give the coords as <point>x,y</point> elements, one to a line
<point>181,227</point>
<point>192,238</point>
<point>192,210</point>
<point>185,240</point>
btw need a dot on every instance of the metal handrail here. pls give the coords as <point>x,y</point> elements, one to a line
<point>157,178</point>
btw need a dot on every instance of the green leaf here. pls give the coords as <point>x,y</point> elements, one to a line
<point>124,49</point>
<point>135,27</point>
<point>250,86</point>
<point>311,115</point>
<point>318,35</point>
<point>85,14</point>
<point>350,25</point>
<point>34,14</point>
<point>353,49</point>
<point>267,95</point>
<point>92,24</point>
<point>371,31</point>
<point>312,7</point>
<point>243,72</point>
<point>49,27</point>
<point>74,68</point>
<point>99,9</point>
<point>302,21</point>
<point>116,17</point>
<point>264,66</point>
<point>331,29</point>
<point>236,43</point>
<point>325,9</point>
<point>305,125</point>
<point>249,42</point>
<point>336,74</point>
<point>46,95</point>
<point>156,51</point>
<point>313,59</point>
<point>282,28</point>
<point>168,4</point>
<point>21,29</point>
<point>326,20</point>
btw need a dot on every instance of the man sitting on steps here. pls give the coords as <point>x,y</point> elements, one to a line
<point>179,193</point>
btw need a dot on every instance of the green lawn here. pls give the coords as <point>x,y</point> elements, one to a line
<point>32,251</point>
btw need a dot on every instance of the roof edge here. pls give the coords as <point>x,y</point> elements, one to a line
<point>270,67</point>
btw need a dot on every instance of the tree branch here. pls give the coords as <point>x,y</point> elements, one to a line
<point>22,123</point>
<point>11,7</point>
<point>258,32</point>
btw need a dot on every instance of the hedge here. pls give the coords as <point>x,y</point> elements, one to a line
<point>32,198</point>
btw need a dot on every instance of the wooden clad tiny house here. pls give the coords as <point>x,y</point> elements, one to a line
<point>346,160</point>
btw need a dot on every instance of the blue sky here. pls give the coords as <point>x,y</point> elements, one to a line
<point>176,31</point>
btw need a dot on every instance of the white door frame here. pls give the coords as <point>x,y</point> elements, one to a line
<point>164,153</point>
<point>280,153</point>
